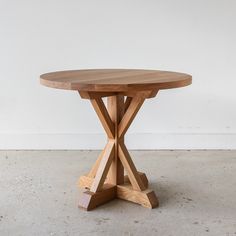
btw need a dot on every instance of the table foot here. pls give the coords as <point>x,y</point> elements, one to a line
<point>86,181</point>
<point>146,198</point>
<point>89,200</point>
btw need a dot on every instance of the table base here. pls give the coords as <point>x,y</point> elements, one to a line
<point>106,180</point>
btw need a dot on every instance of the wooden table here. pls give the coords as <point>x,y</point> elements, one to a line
<point>126,91</point>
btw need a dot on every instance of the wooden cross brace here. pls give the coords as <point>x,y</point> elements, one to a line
<point>106,179</point>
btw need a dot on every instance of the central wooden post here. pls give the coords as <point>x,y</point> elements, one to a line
<point>115,106</point>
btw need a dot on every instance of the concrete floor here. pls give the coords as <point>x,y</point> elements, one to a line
<point>196,189</point>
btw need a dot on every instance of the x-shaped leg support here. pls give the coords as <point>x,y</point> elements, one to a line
<point>106,180</point>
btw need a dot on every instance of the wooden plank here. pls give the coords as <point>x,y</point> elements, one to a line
<point>115,107</point>
<point>146,198</point>
<point>104,117</point>
<point>86,181</point>
<point>144,94</point>
<point>129,115</point>
<point>93,95</point>
<point>127,102</point>
<point>130,168</point>
<point>103,167</point>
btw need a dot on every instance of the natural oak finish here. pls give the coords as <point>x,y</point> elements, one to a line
<point>86,181</point>
<point>131,111</point>
<point>114,80</point>
<point>146,198</point>
<point>126,91</point>
<point>115,106</point>
<point>103,167</point>
<point>89,200</point>
<point>103,115</point>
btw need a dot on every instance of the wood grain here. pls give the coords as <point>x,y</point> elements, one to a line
<point>129,166</point>
<point>86,181</point>
<point>103,167</point>
<point>89,200</point>
<point>146,198</point>
<point>118,80</point>
<point>115,106</point>
<point>132,110</point>
<point>104,117</point>
<point>92,173</point>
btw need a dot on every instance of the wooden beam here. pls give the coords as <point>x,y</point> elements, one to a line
<point>144,94</point>
<point>104,117</point>
<point>86,181</point>
<point>103,167</point>
<point>127,102</point>
<point>93,95</point>
<point>146,198</point>
<point>130,168</point>
<point>129,115</point>
<point>115,106</point>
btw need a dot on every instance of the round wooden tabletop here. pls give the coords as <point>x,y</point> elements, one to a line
<point>115,80</point>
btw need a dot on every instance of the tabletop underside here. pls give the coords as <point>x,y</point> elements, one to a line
<point>115,80</point>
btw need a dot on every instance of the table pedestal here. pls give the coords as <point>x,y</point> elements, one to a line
<point>106,179</point>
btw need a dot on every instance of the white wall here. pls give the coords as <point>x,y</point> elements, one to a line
<point>196,37</point>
